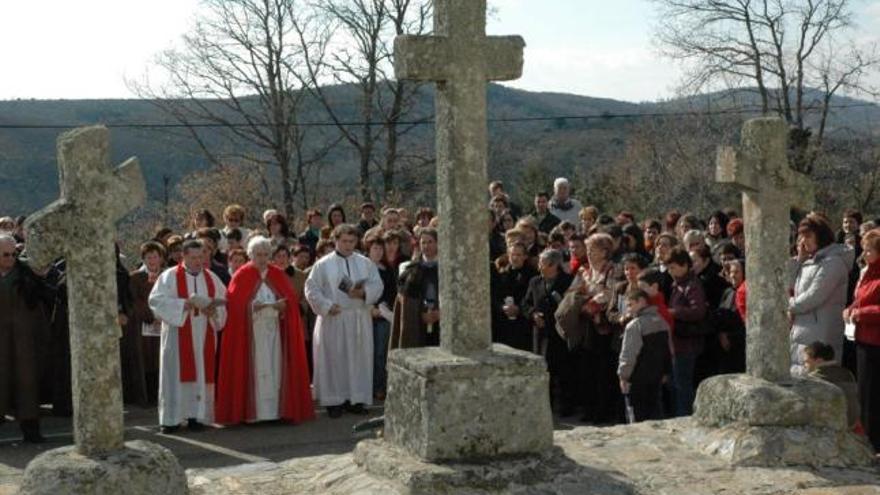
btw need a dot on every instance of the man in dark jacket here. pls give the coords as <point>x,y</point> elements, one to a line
<point>368,218</point>
<point>545,220</point>
<point>687,305</point>
<point>416,321</point>
<point>312,234</point>
<point>539,305</point>
<point>22,320</point>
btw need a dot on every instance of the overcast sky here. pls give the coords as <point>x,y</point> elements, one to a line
<point>85,48</point>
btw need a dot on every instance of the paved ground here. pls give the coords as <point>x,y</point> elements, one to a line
<point>207,449</point>
<point>651,458</point>
<point>276,459</point>
<point>211,448</point>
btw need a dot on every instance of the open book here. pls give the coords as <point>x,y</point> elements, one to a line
<point>346,284</point>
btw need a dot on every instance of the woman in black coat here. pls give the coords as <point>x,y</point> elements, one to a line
<point>510,325</point>
<point>714,286</point>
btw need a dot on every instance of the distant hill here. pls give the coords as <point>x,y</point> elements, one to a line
<point>847,113</point>
<point>28,175</point>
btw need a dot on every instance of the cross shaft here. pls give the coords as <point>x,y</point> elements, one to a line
<point>81,227</point>
<point>759,166</point>
<point>460,58</point>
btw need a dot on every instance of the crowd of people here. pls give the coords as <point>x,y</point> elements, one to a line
<point>231,323</point>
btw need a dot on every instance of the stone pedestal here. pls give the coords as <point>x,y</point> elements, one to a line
<point>141,467</point>
<point>748,421</point>
<point>443,407</point>
<point>413,476</point>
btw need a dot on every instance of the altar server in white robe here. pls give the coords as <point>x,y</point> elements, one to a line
<point>341,289</point>
<point>189,301</point>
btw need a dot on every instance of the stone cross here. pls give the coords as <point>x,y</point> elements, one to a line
<point>461,59</point>
<point>81,227</point>
<point>760,167</point>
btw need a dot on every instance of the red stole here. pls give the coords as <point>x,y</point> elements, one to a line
<point>184,335</point>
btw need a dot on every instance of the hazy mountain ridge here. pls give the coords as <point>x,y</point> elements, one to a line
<point>28,175</point>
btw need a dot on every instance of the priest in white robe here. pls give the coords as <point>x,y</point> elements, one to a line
<point>341,289</point>
<point>189,301</point>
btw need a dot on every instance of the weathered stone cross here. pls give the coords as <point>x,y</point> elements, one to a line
<point>461,59</point>
<point>81,227</point>
<point>770,187</point>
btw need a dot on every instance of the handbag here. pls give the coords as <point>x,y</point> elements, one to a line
<point>570,326</point>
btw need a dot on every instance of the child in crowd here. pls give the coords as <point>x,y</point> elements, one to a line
<point>820,363</point>
<point>651,281</point>
<point>644,357</point>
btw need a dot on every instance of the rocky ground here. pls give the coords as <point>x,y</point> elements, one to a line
<point>649,458</point>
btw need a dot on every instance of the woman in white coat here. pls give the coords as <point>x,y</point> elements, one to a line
<point>820,281</point>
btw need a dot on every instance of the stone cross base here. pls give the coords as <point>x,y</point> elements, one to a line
<point>141,467</point>
<point>413,476</point>
<point>443,407</point>
<point>748,421</point>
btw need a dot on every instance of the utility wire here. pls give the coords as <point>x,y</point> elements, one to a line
<point>425,121</point>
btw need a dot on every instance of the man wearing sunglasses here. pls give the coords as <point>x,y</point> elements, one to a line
<point>20,316</point>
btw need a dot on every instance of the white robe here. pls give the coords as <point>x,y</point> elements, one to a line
<point>342,345</point>
<point>266,356</point>
<point>180,401</point>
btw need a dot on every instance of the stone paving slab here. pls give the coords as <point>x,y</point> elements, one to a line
<point>645,459</point>
<point>9,479</point>
<point>649,458</point>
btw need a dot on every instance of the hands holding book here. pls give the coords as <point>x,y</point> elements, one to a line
<point>354,290</point>
<point>357,292</point>
<point>279,305</point>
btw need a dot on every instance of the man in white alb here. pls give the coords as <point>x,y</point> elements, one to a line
<point>341,289</point>
<point>189,301</point>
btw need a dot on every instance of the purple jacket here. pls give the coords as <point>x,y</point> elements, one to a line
<point>688,301</point>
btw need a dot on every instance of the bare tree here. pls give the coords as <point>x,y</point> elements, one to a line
<point>236,73</point>
<point>367,29</point>
<point>849,172</point>
<point>675,155</point>
<point>404,94</point>
<point>782,49</point>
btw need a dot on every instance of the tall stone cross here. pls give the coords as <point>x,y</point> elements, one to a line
<point>760,167</point>
<point>461,59</point>
<point>81,227</point>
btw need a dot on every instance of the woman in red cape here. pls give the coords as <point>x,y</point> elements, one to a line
<point>235,401</point>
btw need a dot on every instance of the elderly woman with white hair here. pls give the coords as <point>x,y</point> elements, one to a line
<point>539,306</point>
<point>7,225</point>
<point>693,239</point>
<point>263,373</point>
<point>562,205</point>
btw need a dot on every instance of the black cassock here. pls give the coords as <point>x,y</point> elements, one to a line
<point>544,297</point>
<point>511,284</point>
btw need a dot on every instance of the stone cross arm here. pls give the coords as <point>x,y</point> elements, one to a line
<point>760,163</point>
<point>93,197</point>
<point>436,58</point>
